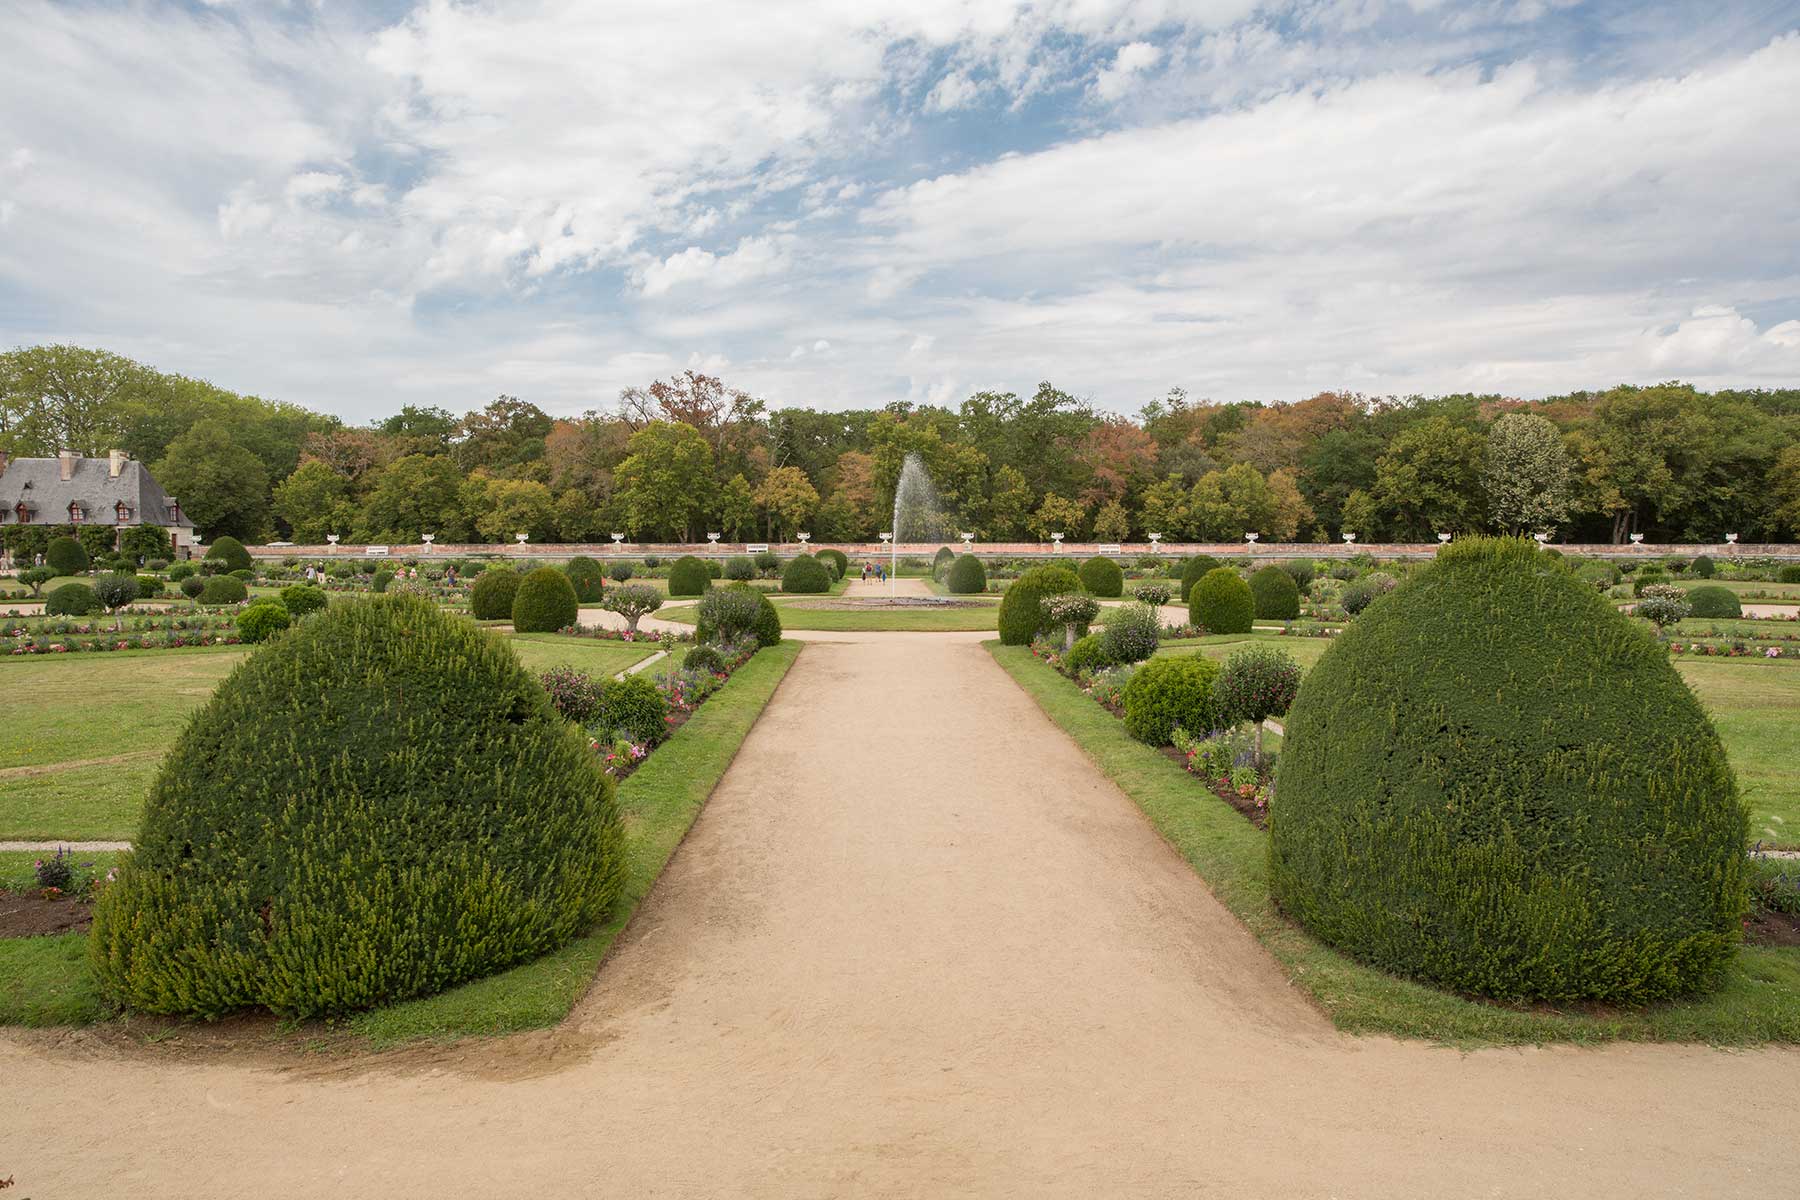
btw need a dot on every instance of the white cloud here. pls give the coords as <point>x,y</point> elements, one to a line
<point>1132,60</point>
<point>754,258</point>
<point>955,90</point>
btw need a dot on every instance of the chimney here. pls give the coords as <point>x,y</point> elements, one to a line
<point>118,460</point>
<point>67,462</point>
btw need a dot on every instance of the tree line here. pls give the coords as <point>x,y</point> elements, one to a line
<point>681,457</point>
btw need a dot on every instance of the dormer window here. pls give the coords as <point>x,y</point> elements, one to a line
<point>122,511</point>
<point>24,511</point>
<point>77,514</point>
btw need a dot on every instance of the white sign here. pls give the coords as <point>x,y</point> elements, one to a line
<point>756,547</point>
<point>375,549</point>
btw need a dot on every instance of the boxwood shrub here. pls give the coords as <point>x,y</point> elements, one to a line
<point>1194,570</point>
<point>379,583</point>
<point>545,602</point>
<point>1221,603</point>
<point>263,620</point>
<point>1711,600</point>
<point>1087,654</point>
<point>767,622</point>
<point>586,577</point>
<point>1021,608</point>
<point>633,708</point>
<point>940,562</point>
<point>1704,567</point>
<point>739,569</point>
<point>1276,595</point>
<point>379,805</point>
<point>704,658</point>
<point>302,598</point>
<point>224,589</point>
<point>1167,692</point>
<point>966,576</point>
<point>491,597</point>
<point>71,600</point>
<point>1789,574</point>
<point>837,558</point>
<point>805,575</point>
<point>231,553</point>
<point>1496,782</point>
<point>688,577</point>
<point>1101,576</point>
<point>66,555</point>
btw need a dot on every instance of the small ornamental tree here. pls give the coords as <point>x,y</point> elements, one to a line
<point>586,577</point>
<point>966,576</point>
<point>36,577</point>
<point>1072,612</point>
<point>1221,603</point>
<point>1021,607</point>
<point>1258,682</point>
<point>633,601</point>
<point>230,552</point>
<point>67,556</point>
<point>115,592</point>
<point>144,543</point>
<point>621,572</point>
<point>1663,604</point>
<point>491,597</point>
<point>545,602</point>
<point>1102,577</point>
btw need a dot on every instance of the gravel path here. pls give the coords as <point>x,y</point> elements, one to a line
<point>917,945</point>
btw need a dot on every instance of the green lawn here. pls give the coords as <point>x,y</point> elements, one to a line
<point>1759,1002</point>
<point>46,981</point>
<point>98,724</point>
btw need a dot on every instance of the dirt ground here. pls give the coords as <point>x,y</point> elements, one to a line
<point>917,945</point>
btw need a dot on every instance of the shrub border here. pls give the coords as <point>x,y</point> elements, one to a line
<point>1759,1003</point>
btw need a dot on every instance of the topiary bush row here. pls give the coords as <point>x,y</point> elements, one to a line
<point>425,819</point>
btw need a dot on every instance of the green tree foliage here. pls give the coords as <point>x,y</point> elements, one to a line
<point>1276,595</point>
<point>1021,608</point>
<point>545,602</point>
<point>1102,577</point>
<point>143,543</point>
<point>432,819</point>
<point>223,487</point>
<point>1494,782</point>
<point>1429,481</point>
<point>664,481</point>
<point>314,501</point>
<point>633,601</point>
<point>1222,602</point>
<point>1526,475</point>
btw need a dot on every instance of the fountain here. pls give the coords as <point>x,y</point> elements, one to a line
<point>918,517</point>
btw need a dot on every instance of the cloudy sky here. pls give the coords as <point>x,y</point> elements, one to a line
<point>841,204</point>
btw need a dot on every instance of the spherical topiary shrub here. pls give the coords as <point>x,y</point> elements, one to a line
<point>1704,567</point>
<point>714,568</point>
<point>1101,576</point>
<point>1276,595</point>
<point>764,625</point>
<point>545,602</point>
<point>379,583</point>
<point>302,598</point>
<point>739,569</point>
<point>704,658</point>
<point>838,559</point>
<point>192,585</point>
<point>940,562</point>
<point>181,571</point>
<point>224,589</point>
<point>1170,692</point>
<point>1789,573</point>
<point>1711,600</point>
<point>688,577</point>
<point>231,553</point>
<point>633,708</point>
<point>1194,570</point>
<point>1087,654</point>
<point>966,576</point>
<point>66,555</point>
<point>1496,782</point>
<point>586,577</point>
<point>1021,608</point>
<point>432,819</point>
<point>805,574</point>
<point>263,620</point>
<point>1221,602</point>
<point>491,597</point>
<point>71,600</point>
<point>1132,635</point>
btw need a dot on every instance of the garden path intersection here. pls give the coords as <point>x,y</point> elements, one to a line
<point>917,944</point>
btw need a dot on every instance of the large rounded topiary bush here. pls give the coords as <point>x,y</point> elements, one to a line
<point>263,620</point>
<point>231,553</point>
<point>1789,573</point>
<point>1194,570</point>
<point>545,602</point>
<point>1275,594</point>
<point>378,805</point>
<point>1496,782</point>
<point>1711,600</point>
<point>966,576</point>
<point>1704,567</point>
<point>940,562</point>
<point>1022,607</point>
<point>491,597</point>
<point>1101,576</point>
<point>66,555</point>
<point>805,575</point>
<point>71,600</point>
<point>1168,692</point>
<point>224,589</point>
<point>837,558</point>
<point>688,577</point>
<point>586,577</point>
<point>1222,602</point>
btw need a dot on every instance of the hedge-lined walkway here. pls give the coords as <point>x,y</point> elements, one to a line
<point>917,944</point>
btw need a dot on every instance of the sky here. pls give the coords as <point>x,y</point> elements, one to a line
<point>356,206</point>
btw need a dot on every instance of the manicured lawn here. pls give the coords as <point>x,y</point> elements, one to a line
<point>1760,1001</point>
<point>1220,646</point>
<point>98,725</point>
<point>899,620</point>
<point>1776,593</point>
<point>45,980</point>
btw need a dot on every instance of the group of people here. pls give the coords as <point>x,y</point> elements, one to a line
<point>875,570</point>
<point>314,574</point>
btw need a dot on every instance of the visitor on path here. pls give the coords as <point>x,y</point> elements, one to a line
<point>310,573</point>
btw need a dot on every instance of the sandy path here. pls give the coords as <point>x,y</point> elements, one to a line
<point>916,945</point>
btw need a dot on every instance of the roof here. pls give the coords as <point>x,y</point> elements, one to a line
<point>39,483</point>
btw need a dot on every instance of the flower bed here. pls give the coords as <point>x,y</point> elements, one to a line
<point>57,635</point>
<point>1733,649</point>
<point>602,634</point>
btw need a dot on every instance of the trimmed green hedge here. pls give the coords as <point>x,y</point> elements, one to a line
<point>1711,600</point>
<point>805,575</point>
<point>491,597</point>
<point>966,576</point>
<point>263,620</point>
<point>545,602</point>
<point>1496,782</point>
<point>1101,576</point>
<point>586,577</point>
<point>1021,607</point>
<point>231,552</point>
<point>689,577</point>
<point>1194,570</point>
<point>1789,573</point>
<point>376,806</point>
<point>1222,603</point>
<point>1275,594</point>
<point>224,589</point>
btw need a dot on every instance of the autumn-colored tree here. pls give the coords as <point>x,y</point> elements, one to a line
<point>787,500</point>
<point>1112,523</point>
<point>1059,515</point>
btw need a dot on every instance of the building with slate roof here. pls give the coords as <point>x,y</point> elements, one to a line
<point>115,491</point>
